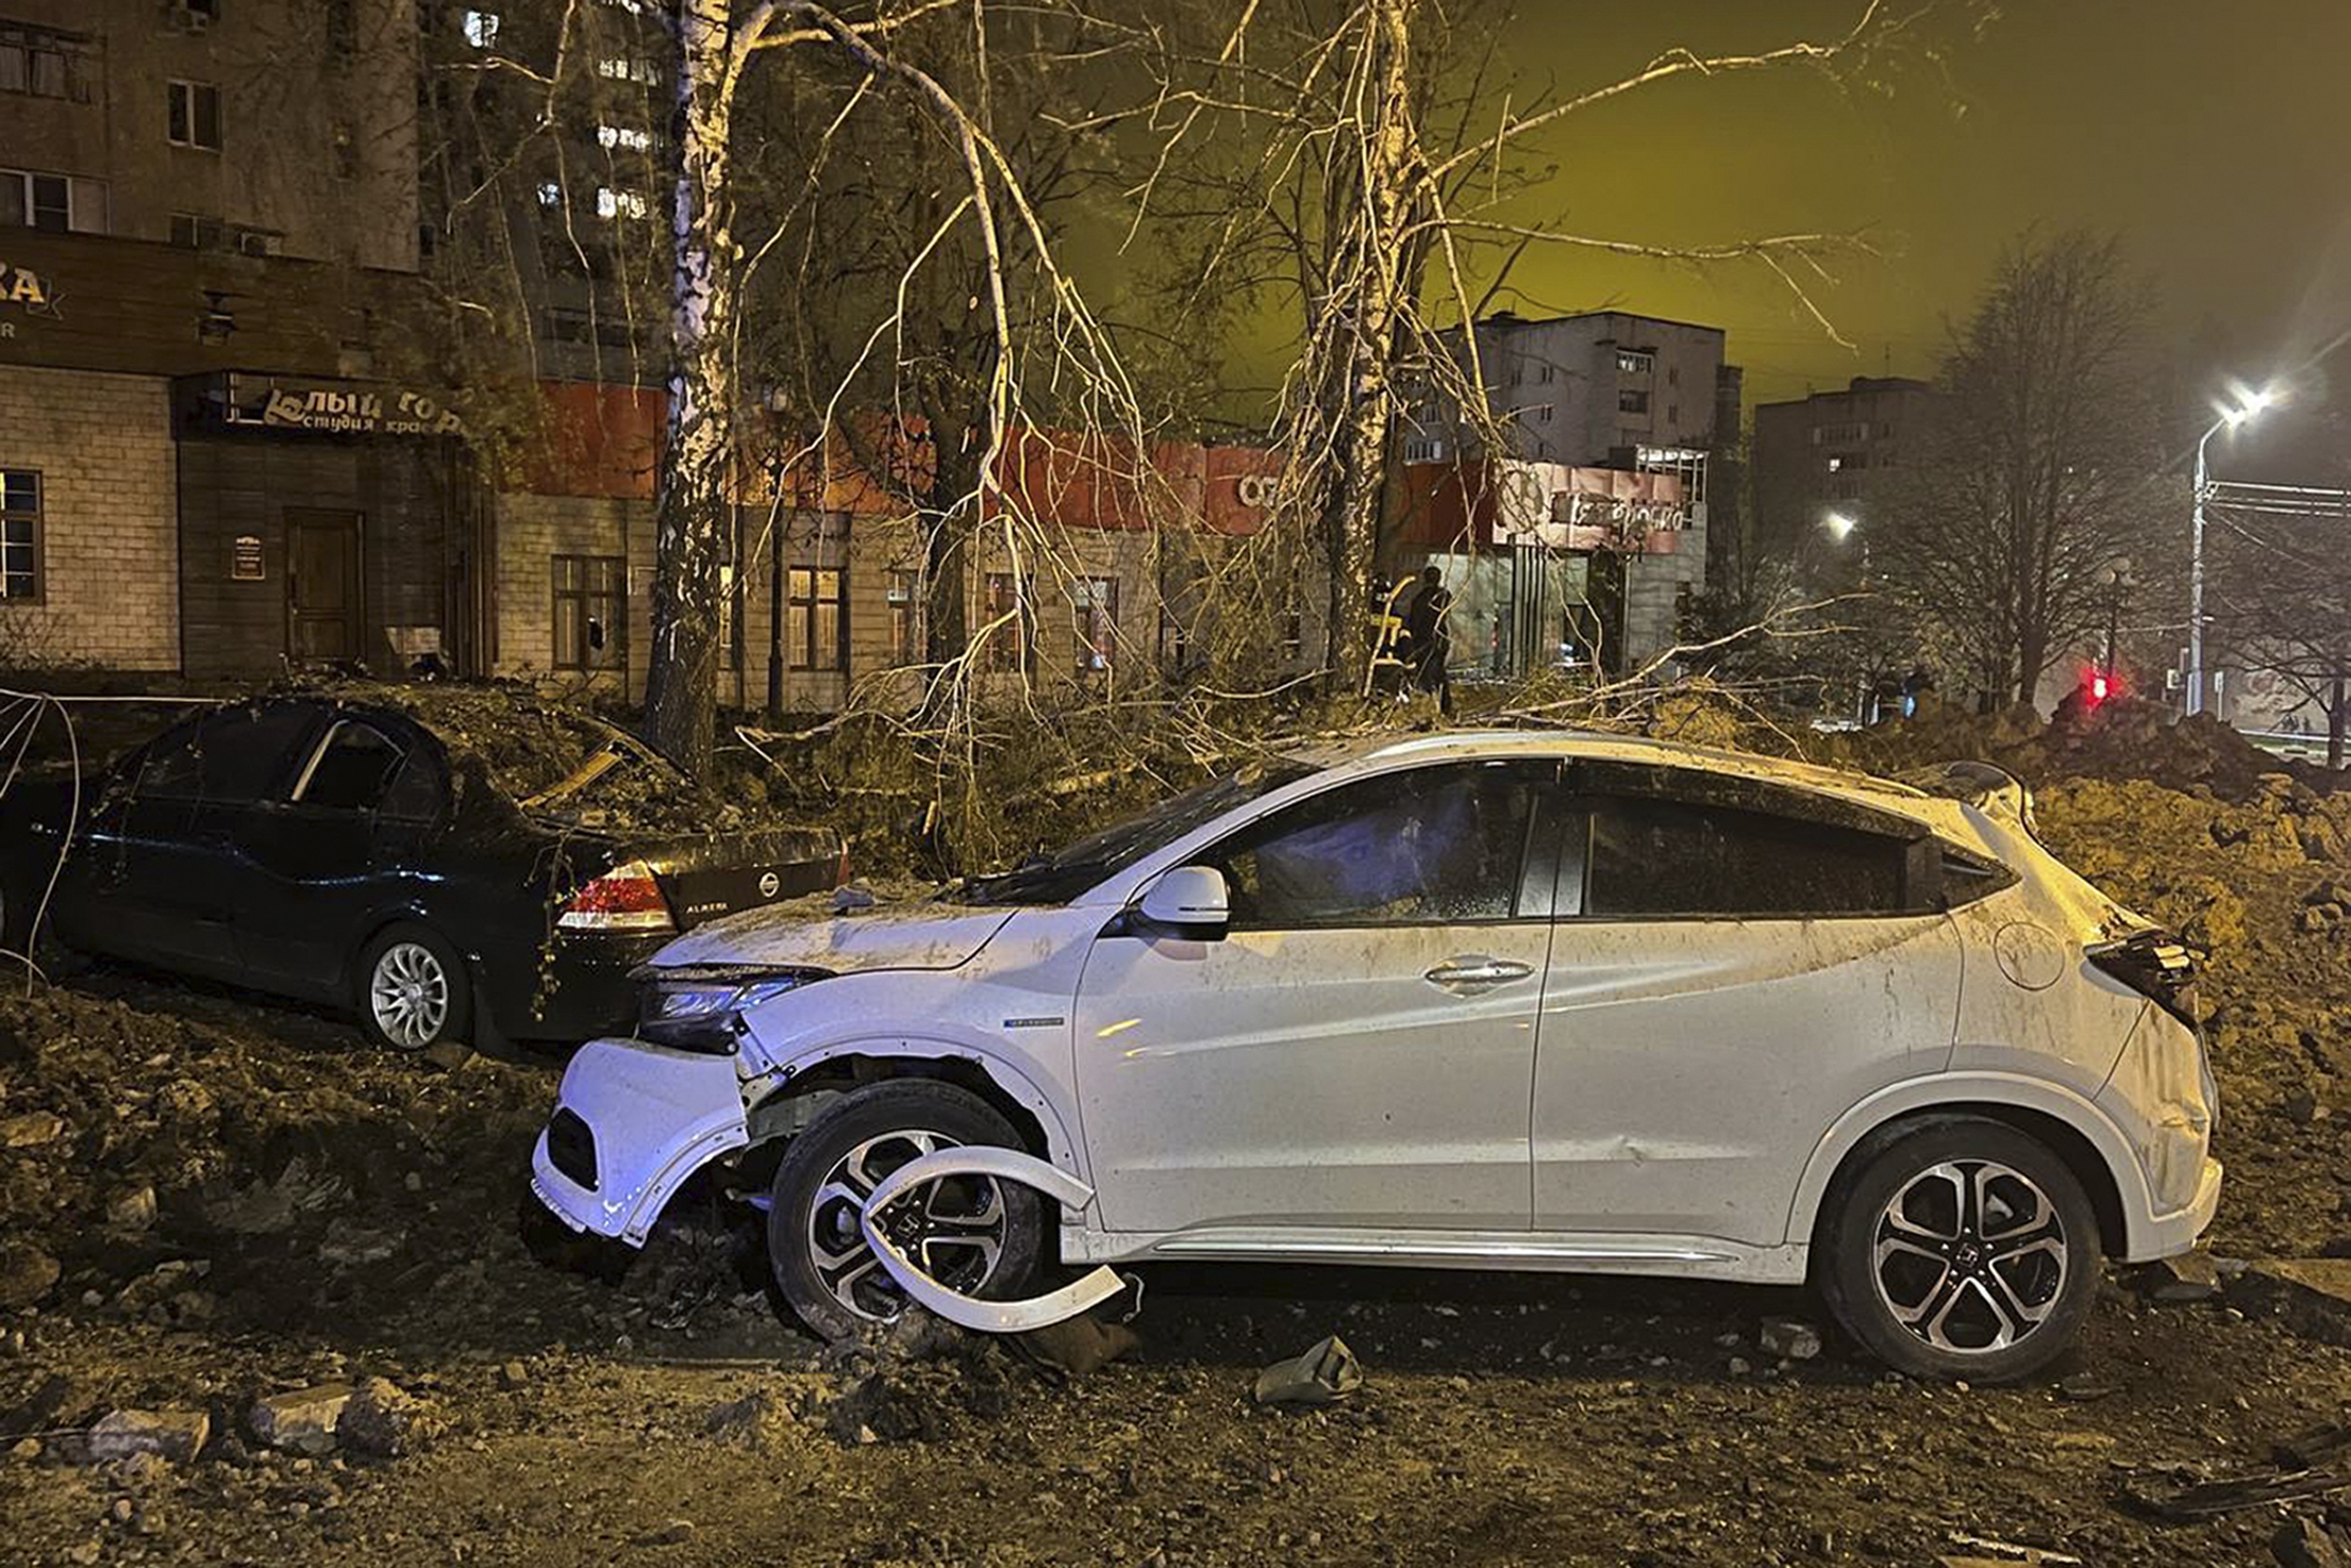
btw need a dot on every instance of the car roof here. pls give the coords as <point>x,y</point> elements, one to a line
<point>1375,753</point>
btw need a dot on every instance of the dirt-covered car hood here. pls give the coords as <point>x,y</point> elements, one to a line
<point>919,935</point>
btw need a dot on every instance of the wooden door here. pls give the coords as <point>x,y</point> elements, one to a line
<point>322,585</point>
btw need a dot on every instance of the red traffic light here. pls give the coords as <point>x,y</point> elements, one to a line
<point>2098,685</point>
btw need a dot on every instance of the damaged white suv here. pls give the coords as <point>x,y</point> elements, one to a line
<point>1528,1001</point>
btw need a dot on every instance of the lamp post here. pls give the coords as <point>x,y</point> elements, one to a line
<point>1841,526</point>
<point>2231,418</point>
<point>2116,578</point>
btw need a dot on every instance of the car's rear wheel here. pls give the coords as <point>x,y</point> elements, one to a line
<point>976,1235</point>
<point>413,992</point>
<point>1962,1248</point>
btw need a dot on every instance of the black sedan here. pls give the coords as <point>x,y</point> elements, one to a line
<point>473,863</point>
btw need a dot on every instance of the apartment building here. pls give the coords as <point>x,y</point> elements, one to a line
<point>1836,453</point>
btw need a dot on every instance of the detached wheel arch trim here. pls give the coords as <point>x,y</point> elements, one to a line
<point>970,1312</point>
<point>1899,1107</point>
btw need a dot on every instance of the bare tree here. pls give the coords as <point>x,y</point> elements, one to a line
<point>2043,471</point>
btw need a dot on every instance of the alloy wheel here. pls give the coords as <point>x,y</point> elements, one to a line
<point>952,1229</point>
<point>409,995</point>
<point>1971,1256</point>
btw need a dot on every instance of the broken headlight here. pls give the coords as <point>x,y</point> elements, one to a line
<point>702,1010</point>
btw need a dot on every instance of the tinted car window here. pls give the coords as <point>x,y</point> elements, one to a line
<point>236,754</point>
<point>354,770</point>
<point>1654,857</point>
<point>1431,846</point>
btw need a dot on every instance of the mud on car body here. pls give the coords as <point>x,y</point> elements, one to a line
<point>1774,1023</point>
<point>343,847</point>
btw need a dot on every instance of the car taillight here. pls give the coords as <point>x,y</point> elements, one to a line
<point>626,898</point>
<point>2156,966</point>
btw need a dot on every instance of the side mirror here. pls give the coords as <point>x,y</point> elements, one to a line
<point>1189,902</point>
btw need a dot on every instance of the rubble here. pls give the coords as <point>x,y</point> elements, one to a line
<point>2312,1295</point>
<point>302,1421</point>
<point>1323,1375</point>
<point>1792,1339</point>
<point>383,1422</point>
<point>26,1274</point>
<point>2304,1543</point>
<point>2173,1281</point>
<point>174,1435</point>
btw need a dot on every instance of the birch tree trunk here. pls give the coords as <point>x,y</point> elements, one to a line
<point>1362,318</point>
<point>690,491</point>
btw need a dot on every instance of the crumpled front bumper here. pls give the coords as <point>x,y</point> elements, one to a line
<point>653,1117</point>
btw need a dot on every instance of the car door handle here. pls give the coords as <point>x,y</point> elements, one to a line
<point>1477,973</point>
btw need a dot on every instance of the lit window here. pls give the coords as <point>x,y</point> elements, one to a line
<point>591,612</point>
<point>611,203</point>
<point>551,193</point>
<point>628,136</point>
<point>194,115</point>
<point>481,28</point>
<point>1635,362</point>
<point>635,69</point>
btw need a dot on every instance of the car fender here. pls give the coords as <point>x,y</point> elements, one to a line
<point>1945,1091</point>
<point>937,1042</point>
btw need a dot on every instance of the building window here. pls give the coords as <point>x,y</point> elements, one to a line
<point>816,621</point>
<point>905,620</point>
<point>551,193</point>
<point>626,137</point>
<point>1673,375</point>
<point>611,203</point>
<point>615,68</point>
<point>1635,362</point>
<point>1542,414</point>
<point>20,534</point>
<point>1544,374</point>
<point>194,118</point>
<point>346,150</point>
<point>1175,640</point>
<point>1095,601</point>
<point>1009,646</point>
<point>1630,400</point>
<point>1673,414</point>
<point>591,612</point>
<point>193,231</point>
<point>57,202</point>
<point>563,324</point>
<point>481,28</point>
<point>40,63</point>
<point>1294,635</point>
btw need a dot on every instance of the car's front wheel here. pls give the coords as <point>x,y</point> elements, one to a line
<point>1962,1248</point>
<point>976,1235</point>
<point>412,991</point>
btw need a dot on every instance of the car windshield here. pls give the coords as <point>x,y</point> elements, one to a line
<point>1068,871</point>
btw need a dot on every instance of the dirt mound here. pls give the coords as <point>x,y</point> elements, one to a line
<point>2118,741</point>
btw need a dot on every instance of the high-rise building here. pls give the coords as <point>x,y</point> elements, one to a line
<point>1839,452</point>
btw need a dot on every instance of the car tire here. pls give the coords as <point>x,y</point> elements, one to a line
<point>413,989</point>
<point>988,1241</point>
<point>1961,1249</point>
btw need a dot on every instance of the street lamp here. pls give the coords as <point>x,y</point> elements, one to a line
<point>2231,418</point>
<point>1840,524</point>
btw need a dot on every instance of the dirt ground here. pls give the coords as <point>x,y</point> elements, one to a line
<point>204,1199</point>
